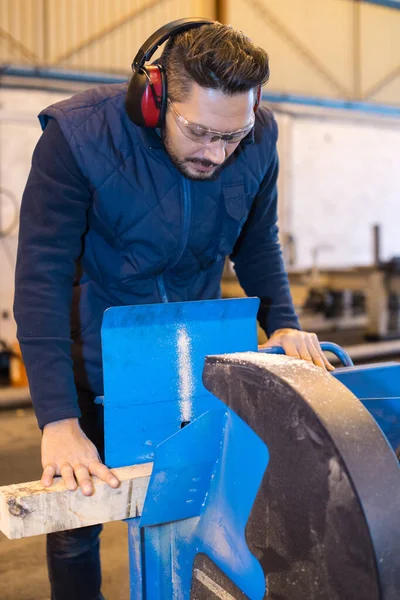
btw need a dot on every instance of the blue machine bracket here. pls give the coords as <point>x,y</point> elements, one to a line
<point>207,491</point>
<point>183,469</point>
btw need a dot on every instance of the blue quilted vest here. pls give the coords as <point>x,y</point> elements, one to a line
<point>153,235</point>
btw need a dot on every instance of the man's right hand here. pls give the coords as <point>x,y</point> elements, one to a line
<point>68,452</point>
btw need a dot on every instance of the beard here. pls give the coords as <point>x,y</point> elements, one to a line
<point>183,165</point>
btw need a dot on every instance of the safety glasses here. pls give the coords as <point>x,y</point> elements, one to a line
<point>204,136</point>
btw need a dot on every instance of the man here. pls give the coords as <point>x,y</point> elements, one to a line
<point>117,214</point>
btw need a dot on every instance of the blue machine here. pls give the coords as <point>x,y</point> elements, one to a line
<point>378,388</point>
<point>208,463</point>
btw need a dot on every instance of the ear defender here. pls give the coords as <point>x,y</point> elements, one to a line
<point>146,98</point>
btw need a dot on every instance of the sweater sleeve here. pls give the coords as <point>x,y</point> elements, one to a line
<point>53,221</point>
<point>258,261</point>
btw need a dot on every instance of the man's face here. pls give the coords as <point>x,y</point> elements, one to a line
<point>213,110</point>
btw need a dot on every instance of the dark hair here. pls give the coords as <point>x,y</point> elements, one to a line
<point>214,56</point>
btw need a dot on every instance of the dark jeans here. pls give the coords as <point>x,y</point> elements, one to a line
<point>73,562</point>
<point>73,557</point>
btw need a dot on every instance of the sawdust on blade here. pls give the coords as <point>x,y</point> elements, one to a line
<point>295,371</point>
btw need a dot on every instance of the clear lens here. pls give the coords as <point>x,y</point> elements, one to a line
<point>206,137</point>
<point>201,135</point>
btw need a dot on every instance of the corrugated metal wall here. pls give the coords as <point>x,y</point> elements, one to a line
<point>21,31</point>
<point>86,34</point>
<point>346,49</point>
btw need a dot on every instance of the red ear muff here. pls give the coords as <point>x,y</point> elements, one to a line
<point>146,97</point>
<point>258,98</point>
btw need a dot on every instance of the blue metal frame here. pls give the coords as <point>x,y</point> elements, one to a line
<point>367,107</point>
<point>387,3</point>
<point>276,97</point>
<point>378,388</point>
<point>60,75</point>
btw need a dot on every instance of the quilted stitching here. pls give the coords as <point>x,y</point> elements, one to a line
<point>142,212</point>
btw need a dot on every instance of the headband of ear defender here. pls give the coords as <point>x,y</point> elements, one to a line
<point>146,98</point>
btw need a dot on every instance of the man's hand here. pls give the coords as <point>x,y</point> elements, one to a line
<point>299,344</point>
<point>66,451</point>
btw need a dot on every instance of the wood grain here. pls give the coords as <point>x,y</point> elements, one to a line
<point>28,509</point>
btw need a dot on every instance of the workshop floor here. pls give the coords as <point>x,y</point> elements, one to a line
<point>23,574</point>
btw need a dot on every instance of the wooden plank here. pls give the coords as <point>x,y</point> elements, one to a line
<point>28,509</point>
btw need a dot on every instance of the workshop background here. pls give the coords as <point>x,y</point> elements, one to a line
<point>335,90</point>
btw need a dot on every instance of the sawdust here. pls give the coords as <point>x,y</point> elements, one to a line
<point>277,360</point>
<point>185,374</point>
<point>298,373</point>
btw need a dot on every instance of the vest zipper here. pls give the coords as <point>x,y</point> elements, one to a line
<point>161,288</point>
<point>187,216</point>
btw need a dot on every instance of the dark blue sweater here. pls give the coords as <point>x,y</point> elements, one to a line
<point>85,244</point>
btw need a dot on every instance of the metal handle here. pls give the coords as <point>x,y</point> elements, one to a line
<point>325,346</point>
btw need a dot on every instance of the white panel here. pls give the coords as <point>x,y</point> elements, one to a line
<point>345,180</point>
<point>19,132</point>
<point>285,179</point>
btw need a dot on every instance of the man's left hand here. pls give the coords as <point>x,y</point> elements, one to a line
<point>299,344</point>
